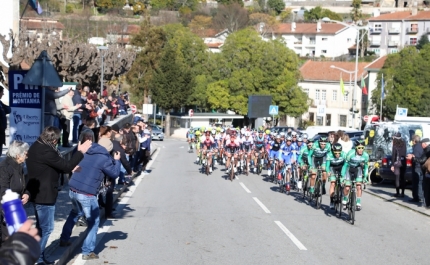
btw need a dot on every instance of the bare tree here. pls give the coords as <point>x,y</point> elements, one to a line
<point>232,17</point>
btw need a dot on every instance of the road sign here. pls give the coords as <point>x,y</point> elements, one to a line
<point>403,112</point>
<point>133,109</point>
<point>366,118</point>
<point>320,110</point>
<point>273,110</point>
<point>147,108</point>
<point>191,113</point>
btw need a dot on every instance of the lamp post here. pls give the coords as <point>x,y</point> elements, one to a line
<point>357,43</point>
<point>101,48</point>
<point>350,85</point>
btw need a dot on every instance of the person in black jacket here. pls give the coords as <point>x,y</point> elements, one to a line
<point>119,144</point>
<point>399,163</point>
<point>21,248</point>
<point>44,164</point>
<point>12,176</point>
<point>419,158</point>
<point>77,99</point>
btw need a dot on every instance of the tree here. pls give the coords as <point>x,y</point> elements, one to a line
<point>356,13</point>
<point>171,84</point>
<point>200,23</point>
<point>277,5</point>
<point>264,23</point>
<point>318,13</point>
<point>230,2</point>
<point>232,17</point>
<point>151,40</point>
<point>422,41</point>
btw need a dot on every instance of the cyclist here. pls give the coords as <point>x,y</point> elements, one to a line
<point>274,152</point>
<point>198,141</point>
<point>247,147</point>
<point>357,163</point>
<point>232,146</point>
<point>259,148</point>
<point>289,151</point>
<point>190,139</point>
<point>334,164</point>
<point>316,157</point>
<point>208,145</point>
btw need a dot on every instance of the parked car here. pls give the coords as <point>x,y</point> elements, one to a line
<point>279,129</point>
<point>157,133</point>
<point>353,135</point>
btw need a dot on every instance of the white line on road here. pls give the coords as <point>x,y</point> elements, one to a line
<point>291,236</point>
<point>121,204</point>
<point>261,205</point>
<point>244,187</point>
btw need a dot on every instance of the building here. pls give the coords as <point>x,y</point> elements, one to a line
<point>121,34</point>
<point>372,81</point>
<point>214,39</point>
<point>315,39</point>
<point>42,27</point>
<point>391,32</point>
<point>322,84</point>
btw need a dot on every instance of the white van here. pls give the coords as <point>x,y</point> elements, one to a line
<point>311,131</point>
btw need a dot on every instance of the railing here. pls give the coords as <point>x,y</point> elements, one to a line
<point>298,42</point>
<point>394,31</point>
<point>393,43</point>
<point>375,43</point>
<point>412,30</point>
<point>375,30</point>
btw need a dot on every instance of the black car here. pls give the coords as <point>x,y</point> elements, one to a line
<point>385,168</point>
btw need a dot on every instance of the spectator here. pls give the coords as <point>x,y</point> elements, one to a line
<point>145,147</point>
<point>417,175</point>
<point>12,176</point>
<point>50,106</point>
<point>44,164</point>
<point>4,110</point>
<point>109,110</point>
<point>338,137</point>
<point>22,248</point>
<point>399,163</point>
<point>119,145</point>
<point>425,144</point>
<point>346,143</point>
<point>114,108</point>
<point>113,95</point>
<point>77,113</point>
<point>105,92</point>
<point>134,159</point>
<point>122,109</point>
<point>68,112</point>
<point>84,187</point>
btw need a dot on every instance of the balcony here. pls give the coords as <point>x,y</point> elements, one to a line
<point>311,43</point>
<point>428,30</point>
<point>394,31</point>
<point>411,43</point>
<point>393,43</point>
<point>298,42</point>
<point>375,43</point>
<point>412,30</point>
<point>375,30</point>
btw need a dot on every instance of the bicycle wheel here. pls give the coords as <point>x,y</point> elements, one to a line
<point>318,194</point>
<point>246,167</point>
<point>305,187</point>
<point>337,198</point>
<point>352,204</point>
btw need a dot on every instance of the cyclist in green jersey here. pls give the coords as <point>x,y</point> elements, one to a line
<point>317,156</point>
<point>357,163</point>
<point>334,163</point>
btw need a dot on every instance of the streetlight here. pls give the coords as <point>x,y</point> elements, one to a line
<point>101,48</point>
<point>357,28</point>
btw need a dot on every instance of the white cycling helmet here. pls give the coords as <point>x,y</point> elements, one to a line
<point>282,134</point>
<point>299,139</point>
<point>213,131</point>
<point>247,134</point>
<point>278,136</point>
<point>305,136</point>
<point>293,133</point>
<point>289,138</point>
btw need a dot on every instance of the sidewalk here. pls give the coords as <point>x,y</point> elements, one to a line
<point>53,250</point>
<point>385,191</point>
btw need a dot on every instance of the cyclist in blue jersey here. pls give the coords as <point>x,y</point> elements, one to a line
<point>289,152</point>
<point>259,143</point>
<point>275,152</point>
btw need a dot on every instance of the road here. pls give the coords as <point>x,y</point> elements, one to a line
<point>176,215</point>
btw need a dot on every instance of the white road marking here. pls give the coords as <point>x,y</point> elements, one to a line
<point>261,205</point>
<point>291,236</point>
<point>121,204</point>
<point>181,147</point>
<point>244,187</point>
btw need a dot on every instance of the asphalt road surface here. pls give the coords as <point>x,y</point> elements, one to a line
<point>176,215</point>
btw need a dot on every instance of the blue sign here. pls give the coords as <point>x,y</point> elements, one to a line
<point>273,110</point>
<point>402,112</point>
<point>24,96</point>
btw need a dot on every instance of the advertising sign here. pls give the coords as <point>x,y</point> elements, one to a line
<point>26,103</point>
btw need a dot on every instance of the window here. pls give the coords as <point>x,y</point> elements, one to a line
<point>324,51</point>
<point>312,41</point>
<point>323,94</point>
<point>393,51</point>
<point>342,120</point>
<point>413,41</point>
<point>319,120</point>
<point>376,50</point>
<point>414,28</point>
<point>306,90</point>
<point>377,27</point>
<point>345,97</point>
<point>328,120</point>
<point>334,95</point>
<point>324,39</point>
<point>298,41</point>
<point>348,39</point>
<point>317,94</point>
<point>312,116</point>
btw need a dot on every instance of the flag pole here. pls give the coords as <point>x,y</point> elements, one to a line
<point>382,92</point>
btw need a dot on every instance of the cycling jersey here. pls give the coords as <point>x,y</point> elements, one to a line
<point>354,161</point>
<point>304,152</point>
<point>259,141</point>
<point>209,143</point>
<point>232,146</point>
<point>274,152</point>
<point>289,153</point>
<point>317,155</point>
<point>247,144</point>
<point>335,164</point>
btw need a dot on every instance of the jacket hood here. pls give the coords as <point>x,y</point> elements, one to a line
<point>97,149</point>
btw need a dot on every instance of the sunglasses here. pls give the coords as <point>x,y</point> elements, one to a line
<point>336,153</point>
<point>360,147</point>
<point>288,140</point>
<point>294,136</point>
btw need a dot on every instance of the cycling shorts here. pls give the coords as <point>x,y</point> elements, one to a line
<point>353,173</point>
<point>275,154</point>
<point>334,172</point>
<point>318,161</point>
<point>190,136</point>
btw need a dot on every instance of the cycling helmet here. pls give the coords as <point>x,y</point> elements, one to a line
<point>323,139</point>
<point>336,147</point>
<point>278,136</point>
<point>305,136</point>
<point>198,133</point>
<point>260,131</point>
<point>293,133</point>
<point>218,129</point>
<point>247,134</point>
<point>282,134</point>
<point>289,138</point>
<point>202,129</point>
<point>299,139</point>
<point>267,131</point>
<point>359,142</point>
<point>213,131</point>
<point>311,140</point>
<point>222,130</point>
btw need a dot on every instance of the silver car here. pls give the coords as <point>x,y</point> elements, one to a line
<point>156,132</point>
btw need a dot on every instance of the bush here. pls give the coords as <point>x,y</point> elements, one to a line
<point>69,8</point>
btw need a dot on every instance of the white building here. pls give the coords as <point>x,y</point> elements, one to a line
<point>213,39</point>
<point>322,84</point>
<point>315,39</point>
<point>372,73</point>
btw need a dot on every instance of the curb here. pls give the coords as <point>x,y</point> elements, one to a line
<point>400,204</point>
<point>81,232</point>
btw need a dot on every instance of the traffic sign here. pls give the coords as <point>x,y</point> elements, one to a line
<point>273,110</point>
<point>191,113</point>
<point>366,118</point>
<point>133,109</point>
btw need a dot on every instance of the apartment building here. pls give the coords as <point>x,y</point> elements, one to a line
<point>315,39</point>
<point>390,32</point>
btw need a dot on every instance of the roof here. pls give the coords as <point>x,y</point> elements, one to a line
<point>314,70</point>
<point>402,15</point>
<point>125,29</point>
<point>214,44</point>
<point>205,33</point>
<point>326,28</point>
<point>377,64</point>
<point>41,24</point>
